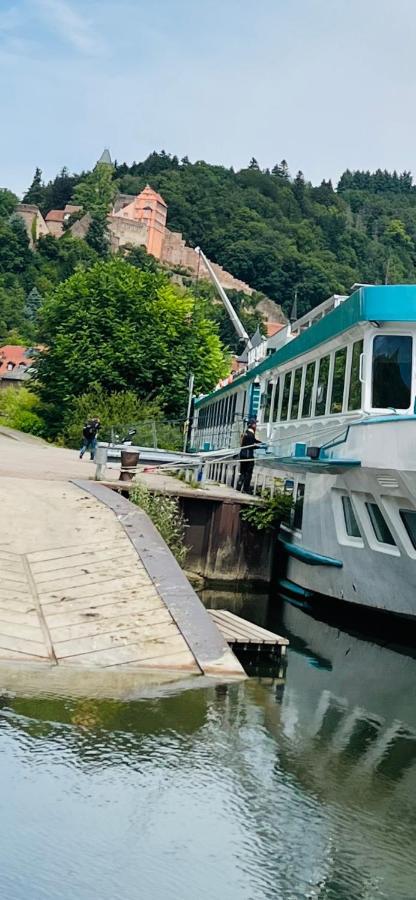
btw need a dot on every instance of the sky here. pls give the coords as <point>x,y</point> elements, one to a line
<point>325,84</point>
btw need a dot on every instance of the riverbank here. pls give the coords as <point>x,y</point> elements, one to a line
<point>88,583</point>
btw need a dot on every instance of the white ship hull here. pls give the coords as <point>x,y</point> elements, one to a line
<point>369,572</point>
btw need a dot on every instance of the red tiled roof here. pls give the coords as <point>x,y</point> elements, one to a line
<point>273,327</point>
<point>11,353</point>
<point>150,192</point>
<point>55,215</point>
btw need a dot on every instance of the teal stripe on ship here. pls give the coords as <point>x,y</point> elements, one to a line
<point>382,303</point>
<point>293,588</point>
<point>309,556</point>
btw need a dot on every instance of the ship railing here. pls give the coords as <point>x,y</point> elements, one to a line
<point>226,472</point>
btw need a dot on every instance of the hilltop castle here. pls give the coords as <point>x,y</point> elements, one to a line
<point>134,221</point>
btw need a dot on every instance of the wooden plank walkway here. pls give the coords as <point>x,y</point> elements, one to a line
<point>247,635</point>
<point>75,591</point>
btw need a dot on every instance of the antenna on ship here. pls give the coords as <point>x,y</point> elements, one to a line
<point>294,310</point>
<point>386,277</point>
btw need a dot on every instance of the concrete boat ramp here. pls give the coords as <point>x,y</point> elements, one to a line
<point>88,586</point>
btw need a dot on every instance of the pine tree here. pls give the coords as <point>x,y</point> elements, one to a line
<point>281,170</point>
<point>32,304</point>
<point>36,192</point>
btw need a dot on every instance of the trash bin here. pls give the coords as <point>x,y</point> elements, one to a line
<point>129,461</point>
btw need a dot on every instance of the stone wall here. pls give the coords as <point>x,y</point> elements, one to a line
<point>126,231</point>
<point>31,214</point>
<point>176,253</point>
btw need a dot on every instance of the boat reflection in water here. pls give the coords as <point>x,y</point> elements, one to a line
<point>347,733</point>
<point>344,723</point>
<point>302,789</point>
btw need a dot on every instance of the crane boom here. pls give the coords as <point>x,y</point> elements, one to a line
<point>239,327</point>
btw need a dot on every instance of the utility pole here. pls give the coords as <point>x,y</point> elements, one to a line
<point>189,413</point>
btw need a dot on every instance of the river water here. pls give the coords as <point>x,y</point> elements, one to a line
<point>258,791</point>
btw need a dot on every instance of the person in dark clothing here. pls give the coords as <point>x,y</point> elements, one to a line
<point>248,443</point>
<point>89,437</point>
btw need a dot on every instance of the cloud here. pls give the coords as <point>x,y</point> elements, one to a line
<point>71,25</point>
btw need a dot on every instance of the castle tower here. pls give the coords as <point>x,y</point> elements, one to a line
<point>105,158</point>
<point>150,209</point>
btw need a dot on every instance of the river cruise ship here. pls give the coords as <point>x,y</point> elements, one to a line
<point>335,403</point>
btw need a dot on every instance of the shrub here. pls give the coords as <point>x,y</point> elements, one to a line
<point>166,516</point>
<point>274,510</point>
<point>21,409</point>
<point>119,411</point>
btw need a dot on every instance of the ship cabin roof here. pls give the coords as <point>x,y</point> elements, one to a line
<point>377,304</point>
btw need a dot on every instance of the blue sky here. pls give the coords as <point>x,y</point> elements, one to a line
<point>326,84</point>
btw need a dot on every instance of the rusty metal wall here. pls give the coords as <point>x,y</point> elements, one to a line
<point>221,546</point>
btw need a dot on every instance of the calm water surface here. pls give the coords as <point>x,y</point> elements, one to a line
<point>259,791</point>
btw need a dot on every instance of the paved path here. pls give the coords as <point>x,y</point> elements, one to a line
<point>79,587</point>
<point>73,589</point>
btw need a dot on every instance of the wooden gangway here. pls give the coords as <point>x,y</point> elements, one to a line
<point>244,635</point>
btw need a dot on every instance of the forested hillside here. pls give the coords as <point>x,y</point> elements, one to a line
<point>277,232</point>
<point>280,234</point>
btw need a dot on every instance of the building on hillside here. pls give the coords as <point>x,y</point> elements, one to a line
<point>57,218</point>
<point>15,365</point>
<point>140,221</point>
<point>148,209</point>
<point>33,219</point>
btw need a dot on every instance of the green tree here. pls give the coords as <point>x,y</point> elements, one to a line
<point>119,328</point>
<point>32,304</point>
<point>98,237</point>
<point>97,191</point>
<point>35,193</point>
<point>8,203</point>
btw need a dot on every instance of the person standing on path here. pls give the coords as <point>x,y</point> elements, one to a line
<point>89,437</point>
<point>248,443</point>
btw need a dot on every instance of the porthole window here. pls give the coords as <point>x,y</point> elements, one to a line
<point>380,527</point>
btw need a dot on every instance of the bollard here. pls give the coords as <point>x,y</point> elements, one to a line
<point>100,459</point>
<point>129,460</point>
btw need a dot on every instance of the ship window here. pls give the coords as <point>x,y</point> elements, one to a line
<point>351,524</point>
<point>408,517</point>
<point>308,389</point>
<point>338,380</point>
<point>354,395</point>
<point>286,395</point>
<point>392,371</point>
<point>322,386</point>
<point>381,529</point>
<point>298,513</point>
<point>268,403</point>
<point>296,393</point>
<point>276,399</point>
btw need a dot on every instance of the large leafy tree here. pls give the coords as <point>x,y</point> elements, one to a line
<point>125,329</point>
